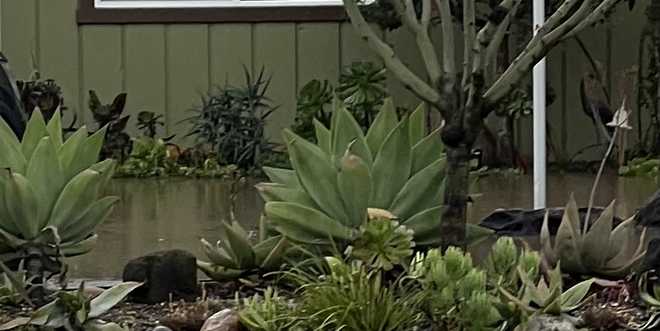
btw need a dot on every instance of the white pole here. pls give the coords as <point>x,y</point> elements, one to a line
<point>539,116</point>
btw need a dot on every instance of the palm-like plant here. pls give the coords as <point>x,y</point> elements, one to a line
<point>326,197</point>
<point>52,191</point>
<point>601,249</point>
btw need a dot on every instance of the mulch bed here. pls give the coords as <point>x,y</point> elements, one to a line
<point>177,315</point>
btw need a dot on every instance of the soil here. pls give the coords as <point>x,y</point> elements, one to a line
<point>177,315</point>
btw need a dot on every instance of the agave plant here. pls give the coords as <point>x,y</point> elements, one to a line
<point>235,256</point>
<point>76,311</point>
<point>598,250</point>
<point>326,197</point>
<point>52,192</point>
<point>549,297</point>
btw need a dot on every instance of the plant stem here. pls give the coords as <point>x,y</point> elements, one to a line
<point>598,176</point>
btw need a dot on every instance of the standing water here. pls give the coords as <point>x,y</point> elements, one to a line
<point>174,213</point>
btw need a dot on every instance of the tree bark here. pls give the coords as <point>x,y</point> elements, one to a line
<point>454,219</point>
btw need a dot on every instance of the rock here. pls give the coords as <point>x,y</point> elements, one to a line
<point>164,273</point>
<point>519,222</point>
<point>649,213</point>
<point>224,320</point>
<point>550,323</point>
<point>161,328</point>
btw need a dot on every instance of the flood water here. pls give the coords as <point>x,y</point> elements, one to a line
<point>174,213</point>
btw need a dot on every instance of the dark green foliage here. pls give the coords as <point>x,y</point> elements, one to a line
<point>117,143</point>
<point>313,100</point>
<point>155,158</point>
<point>149,122</point>
<point>361,88</point>
<point>44,94</point>
<point>231,122</point>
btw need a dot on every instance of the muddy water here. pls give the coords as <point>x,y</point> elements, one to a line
<point>166,214</point>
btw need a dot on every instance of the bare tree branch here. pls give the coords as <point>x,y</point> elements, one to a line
<point>597,15</point>
<point>498,38</point>
<point>449,57</point>
<point>411,81</point>
<point>552,32</point>
<point>469,36</point>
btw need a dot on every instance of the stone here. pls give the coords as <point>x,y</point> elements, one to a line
<point>649,213</point>
<point>550,323</point>
<point>161,328</point>
<point>224,320</point>
<point>166,275</point>
<point>519,222</point>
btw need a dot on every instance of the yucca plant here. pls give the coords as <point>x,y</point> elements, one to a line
<point>75,311</point>
<point>235,255</point>
<point>599,249</point>
<point>394,167</point>
<point>52,192</point>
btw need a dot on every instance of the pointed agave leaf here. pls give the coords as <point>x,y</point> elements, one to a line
<point>595,241</point>
<point>96,214</point>
<point>425,223</point>
<point>316,226</point>
<point>572,298</point>
<point>106,168</point>
<point>11,154</point>
<point>110,298</point>
<point>354,181</point>
<point>427,151</point>
<point>323,136</point>
<point>276,255</point>
<point>218,255</point>
<point>70,150</point>
<point>240,246</point>
<point>76,197</point>
<point>391,168</point>
<point>568,239</point>
<point>417,124</point>
<point>278,192</point>
<point>383,124</point>
<point>91,149</point>
<point>219,273</point>
<point>44,168</point>
<point>316,174</point>
<point>546,245</point>
<point>71,249</point>
<point>34,131</point>
<point>54,129</point>
<point>424,190</point>
<point>347,132</point>
<point>285,177</point>
<point>23,206</point>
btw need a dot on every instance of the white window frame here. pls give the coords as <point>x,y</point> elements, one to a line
<point>136,4</point>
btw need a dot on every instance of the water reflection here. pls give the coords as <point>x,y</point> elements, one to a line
<point>166,214</point>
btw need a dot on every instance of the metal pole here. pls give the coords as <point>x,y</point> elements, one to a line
<point>539,115</point>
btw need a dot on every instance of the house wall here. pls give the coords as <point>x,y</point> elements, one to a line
<point>166,67</point>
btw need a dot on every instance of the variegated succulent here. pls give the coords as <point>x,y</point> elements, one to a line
<point>235,256</point>
<point>394,167</point>
<point>52,190</point>
<point>600,250</point>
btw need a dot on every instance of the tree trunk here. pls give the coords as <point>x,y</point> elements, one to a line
<point>453,225</point>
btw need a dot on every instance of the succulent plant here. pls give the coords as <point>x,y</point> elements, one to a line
<point>549,297</point>
<point>14,285</point>
<point>601,249</point>
<point>148,122</point>
<point>44,95</point>
<point>504,262</point>
<point>52,191</point>
<point>117,143</point>
<point>394,167</point>
<point>267,312</point>
<point>76,311</point>
<point>382,243</point>
<point>235,256</point>
<point>457,297</point>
